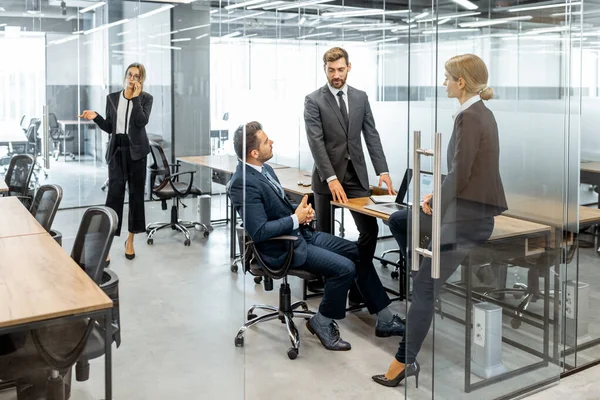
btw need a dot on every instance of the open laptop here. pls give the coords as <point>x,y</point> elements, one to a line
<point>404,196</point>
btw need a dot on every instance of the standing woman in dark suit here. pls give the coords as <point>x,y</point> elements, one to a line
<point>472,194</point>
<point>127,114</point>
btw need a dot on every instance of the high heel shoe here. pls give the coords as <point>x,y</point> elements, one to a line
<point>128,256</point>
<point>410,370</point>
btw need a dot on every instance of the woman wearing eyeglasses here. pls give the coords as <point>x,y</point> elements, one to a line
<point>127,114</point>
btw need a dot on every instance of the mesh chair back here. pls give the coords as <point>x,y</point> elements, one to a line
<point>159,170</point>
<point>53,121</point>
<point>45,204</point>
<point>93,240</point>
<point>18,174</point>
<point>31,133</point>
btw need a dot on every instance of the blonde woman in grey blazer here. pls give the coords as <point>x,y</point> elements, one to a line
<point>472,194</point>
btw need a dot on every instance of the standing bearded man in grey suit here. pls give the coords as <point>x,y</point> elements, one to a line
<point>334,116</point>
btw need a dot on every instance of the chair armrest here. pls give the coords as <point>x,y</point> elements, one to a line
<point>282,270</point>
<point>175,167</point>
<point>175,177</point>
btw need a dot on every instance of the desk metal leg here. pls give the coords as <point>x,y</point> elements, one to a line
<point>108,355</point>
<point>468,322</point>
<point>232,237</point>
<point>332,219</point>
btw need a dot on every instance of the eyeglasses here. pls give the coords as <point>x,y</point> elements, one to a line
<point>134,77</point>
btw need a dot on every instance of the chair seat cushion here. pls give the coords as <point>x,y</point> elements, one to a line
<point>167,191</point>
<point>257,271</point>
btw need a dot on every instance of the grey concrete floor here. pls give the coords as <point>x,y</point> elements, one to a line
<point>181,307</point>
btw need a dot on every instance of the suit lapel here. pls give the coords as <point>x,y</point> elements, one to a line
<point>334,105</point>
<point>262,178</point>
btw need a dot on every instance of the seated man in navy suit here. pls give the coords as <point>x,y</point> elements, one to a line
<point>267,213</point>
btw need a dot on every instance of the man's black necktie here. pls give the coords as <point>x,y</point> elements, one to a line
<point>343,109</point>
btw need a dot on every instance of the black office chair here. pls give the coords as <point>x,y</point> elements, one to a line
<point>34,146</point>
<point>44,207</point>
<point>165,185</point>
<point>18,177</point>
<point>59,138</point>
<point>42,360</point>
<point>286,311</point>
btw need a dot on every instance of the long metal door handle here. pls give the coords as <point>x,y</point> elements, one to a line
<point>417,251</point>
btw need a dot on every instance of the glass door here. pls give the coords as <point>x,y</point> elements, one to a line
<point>484,320</point>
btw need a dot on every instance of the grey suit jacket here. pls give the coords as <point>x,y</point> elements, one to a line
<point>331,143</point>
<point>473,187</point>
<point>140,114</point>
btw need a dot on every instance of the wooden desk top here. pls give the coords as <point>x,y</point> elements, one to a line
<point>289,178</point>
<point>75,122</point>
<point>504,227</point>
<point>590,166</point>
<point>15,219</point>
<point>225,163</point>
<point>3,187</point>
<point>39,281</point>
<point>547,211</point>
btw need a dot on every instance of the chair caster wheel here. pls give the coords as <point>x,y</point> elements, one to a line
<point>239,341</point>
<point>292,353</point>
<point>384,263</point>
<point>251,316</point>
<point>234,268</point>
<point>395,275</point>
<point>187,242</point>
<point>150,241</point>
<point>257,279</point>
<point>206,234</point>
<point>515,323</point>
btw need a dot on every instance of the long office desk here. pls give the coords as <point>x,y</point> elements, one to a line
<point>16,219</point>
<point>518,239</point>
<point>83,138</point>
<point>11,133</point>
<point>40,283</point>
<point>589,172</point>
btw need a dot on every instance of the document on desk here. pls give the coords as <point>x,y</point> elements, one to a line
<point>385,198</point>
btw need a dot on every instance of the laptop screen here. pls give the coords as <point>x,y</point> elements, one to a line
<point>426,187</point>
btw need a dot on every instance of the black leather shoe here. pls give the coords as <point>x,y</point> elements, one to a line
<point>328,335</point>
<point>410,370</point>
<point>394,328</point>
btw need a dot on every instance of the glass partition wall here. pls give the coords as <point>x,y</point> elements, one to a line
<point>213,66</point>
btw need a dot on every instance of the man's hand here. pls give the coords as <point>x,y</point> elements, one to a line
<point>303,210</point>
<point>337,191</point>
<point>426,207</point>
<point>385,178</point>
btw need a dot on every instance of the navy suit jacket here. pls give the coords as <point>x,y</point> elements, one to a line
<point>266,215</point>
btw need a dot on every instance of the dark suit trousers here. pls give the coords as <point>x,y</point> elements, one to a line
<point>340,262</point>
<point>367,226</point>
<point>457,240</point>
<point>123,169</point>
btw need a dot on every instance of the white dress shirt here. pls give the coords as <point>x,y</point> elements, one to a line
<point>123,113</point>
<point>466,105</point>
<point>335,91</point>
<point>294,216</point>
